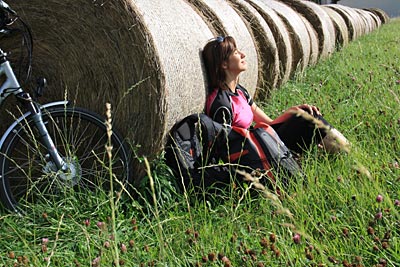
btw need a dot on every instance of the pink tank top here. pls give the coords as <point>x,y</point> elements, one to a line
<point>242,115</point>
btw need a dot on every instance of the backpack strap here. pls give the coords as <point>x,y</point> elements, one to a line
<point>221,106</point>
<point>210,129</point>
<point>246,94</point>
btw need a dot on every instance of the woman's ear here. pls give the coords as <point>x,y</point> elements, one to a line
<point>224,65</point>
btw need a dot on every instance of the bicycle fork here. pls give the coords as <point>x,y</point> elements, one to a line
<point>36,113</point>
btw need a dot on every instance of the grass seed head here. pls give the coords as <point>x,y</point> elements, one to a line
<point>370,230</point>
<point>204,259</point>
<point>296,238</point>
<point>346,263</point>
<point>212,256</point>
<point>309,256</point>
<point>124,249</point>
<point>378,216</point>
<point>333,260</point>
<point>385,245</point>
<point>272,238</point>
<point>264,242</point>
<point>383,262</point>
<point>345,232</point>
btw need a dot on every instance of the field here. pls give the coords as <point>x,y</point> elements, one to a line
<point>347,214</point>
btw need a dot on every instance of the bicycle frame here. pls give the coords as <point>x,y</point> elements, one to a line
<point>11,86</point>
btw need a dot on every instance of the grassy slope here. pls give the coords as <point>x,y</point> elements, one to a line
<point>358,91</point>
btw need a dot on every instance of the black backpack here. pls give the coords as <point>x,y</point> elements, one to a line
<point>260,148</point>
<point>191,154</point>
<point>197,144</point>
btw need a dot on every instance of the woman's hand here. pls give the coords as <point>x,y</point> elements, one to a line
<point>313,110</point>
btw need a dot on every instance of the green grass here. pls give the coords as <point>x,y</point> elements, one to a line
<point>358,91</point>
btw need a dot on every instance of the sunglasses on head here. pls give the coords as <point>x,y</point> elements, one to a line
<point>219,39</point>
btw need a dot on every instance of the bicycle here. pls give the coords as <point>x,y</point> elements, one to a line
<point>53,148</point>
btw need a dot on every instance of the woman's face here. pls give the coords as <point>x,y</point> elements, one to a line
<point>236,62</point>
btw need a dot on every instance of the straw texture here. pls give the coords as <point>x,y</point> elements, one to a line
<point>341,29</point>
<point>314,42</point>
<point>300,40</point>
<point>321,23</point>
<point>282,38</point>
<point>351,18</point>
<point>384,18</point>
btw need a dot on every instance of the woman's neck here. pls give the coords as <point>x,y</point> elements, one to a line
<point>231,84</point>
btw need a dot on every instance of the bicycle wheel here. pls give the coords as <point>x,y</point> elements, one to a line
<point>29,177</point>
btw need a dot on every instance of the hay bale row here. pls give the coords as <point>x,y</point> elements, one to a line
<point>144,56</point>
<point>321,22</point>
<point>383,17</point>
<point>314,42</point>
<point>300,39</point>
<point>353,21</point>
<point>267,51</point>
<point>282,38</point>
<point>372,22</point>
<point>341,29</point>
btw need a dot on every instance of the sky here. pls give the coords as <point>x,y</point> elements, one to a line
<point>391,7</point>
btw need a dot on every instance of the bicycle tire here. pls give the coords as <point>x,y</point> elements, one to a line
<point>28,177</point>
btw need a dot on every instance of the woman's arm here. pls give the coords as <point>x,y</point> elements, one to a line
<point>261,117</point>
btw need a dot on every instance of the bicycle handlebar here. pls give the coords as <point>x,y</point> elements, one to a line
<point>4,6</point>
<point>7,17</point>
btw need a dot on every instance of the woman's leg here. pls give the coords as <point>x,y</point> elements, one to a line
<point>301,130</point>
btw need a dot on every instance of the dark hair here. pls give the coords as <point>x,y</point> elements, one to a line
<point>215,52</point>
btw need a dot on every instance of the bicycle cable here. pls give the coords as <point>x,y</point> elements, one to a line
<point>27,42</point>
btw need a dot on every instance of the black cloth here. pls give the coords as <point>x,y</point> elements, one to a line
<point>299,133</point>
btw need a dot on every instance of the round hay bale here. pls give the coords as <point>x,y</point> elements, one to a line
<point>321,22</point>
<point>300,40</point>
<point>369,18</point>
<point>341,30</point>
<point>348,18</point>
<point>375,18</point>
<point>359,24</point>
<point>233,25</point>
<point>366,21</point>
<point>137,55</point>
<point>268,58</point>
<point>314,42</point>
<point>281,36</point>
<point>383,16</point>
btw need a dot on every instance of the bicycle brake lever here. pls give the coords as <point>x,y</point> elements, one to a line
<point>5,6</point>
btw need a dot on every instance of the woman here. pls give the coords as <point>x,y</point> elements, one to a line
<point>228,102</point>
